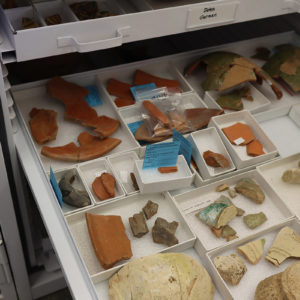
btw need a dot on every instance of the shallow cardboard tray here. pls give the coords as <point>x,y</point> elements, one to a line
<point>163,69</point>
<point>35,95</point>
<point>220,291</point>
<point>123,165</point>
<point>288,192</point>
<point>112,6</point>
<point>77,184</point>
<point>239,153</point>
<point>151,180</point>
<point>255,273</point>
<point>127,207</point>
<point>192,202</point>
<point>259,103</point>
<point>50,8</point>
<point>93,169</point>
<point>204,140</point>
<point>283,127</point>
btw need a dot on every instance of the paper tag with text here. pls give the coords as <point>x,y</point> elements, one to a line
<point>185,146</point>
<point>139,90</point>
<point>93,98</point>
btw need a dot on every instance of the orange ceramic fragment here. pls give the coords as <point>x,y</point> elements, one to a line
<point>144,78</point>
<point>43,125</point>
<point>168,169</point>
<point>156,113</point>
<point>109,239</point>
<point>215,159</point>
<point>109,183</point>
<point>65,91</point>
<point>69,152</point>
<point>119,89</point>
<point>80,111</point>
<point>239,130</point>
<point>105,126</point>
<point>99,189</point>
<point>121,102</point>
<point>255,148</point>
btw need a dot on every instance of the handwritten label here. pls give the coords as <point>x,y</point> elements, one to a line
<point>139,91</point>
<point>161,155</point>
<point>185,146</point>
<point>55,187</point>
<point>93,98</point>
<point>205,15</point>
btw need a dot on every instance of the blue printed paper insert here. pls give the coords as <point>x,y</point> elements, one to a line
<point>161,155</point>
<point>55,187</point>
<point>134,126</point>
<point>141,89</point>
<point>93,98</point>
<point>185,146</point>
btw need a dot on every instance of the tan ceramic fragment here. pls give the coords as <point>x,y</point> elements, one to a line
<point>286,244</point>
<point>232,193</point>
<point>290,280</point>
<point>226,215</point>
<point>291,176</point>
<point>222,187</point>
<point>253,251</point>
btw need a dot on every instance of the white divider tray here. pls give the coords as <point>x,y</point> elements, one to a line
<point>163,69</point>
<point>123,164</point>
<point>35,95</point>
<point>77,184</point>
<point>221,292</point>
<point>288,192</point>
<point>239,153</point>
<point>204,140</point>
<point>91,170</point>
<point>259,103</point>
<point>192,202</point>
<point>151,180</point>
<point>126,208</point>
<point>260,271</point>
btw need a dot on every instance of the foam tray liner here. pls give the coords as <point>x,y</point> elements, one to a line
<point>260,271</point>
<point>288,192</point>
<point>192,202</point>
<point>127,207</point>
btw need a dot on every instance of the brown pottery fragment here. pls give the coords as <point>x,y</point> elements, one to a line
<point>239,130</point>
<point>250,189</point>
<point>215,160</point>
<point>165,170</point>
<point>150,209</point>
<point>163,232</point>
<point>138,225</point>
<point>109,183</point>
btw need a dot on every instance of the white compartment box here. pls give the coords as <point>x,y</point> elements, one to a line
<point>192,202</point>
<point>126,208</point>
<point>123,164</point>
<point>259,103</point>
<point>47,9</point>
<point>91,170</point>
<point>289,192</point>
<point>35,94</point>
<point>151,180</point>
<point>295,114</point>
<point>260,271</point>
<point>239,153</point>
<point>159,68</point>
<point>77,184</point>
<point>204,140</point>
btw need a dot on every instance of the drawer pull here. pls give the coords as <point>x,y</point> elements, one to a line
<point>71,41</point>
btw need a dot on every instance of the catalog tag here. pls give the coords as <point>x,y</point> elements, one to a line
<point>239,141</point>
<point>93,98</point>
<point>185,146</point>
<point>161,155</point>
<point>133,127</point>
<point>55,187</point>
<point>153,94</point>
<point>139,90</point>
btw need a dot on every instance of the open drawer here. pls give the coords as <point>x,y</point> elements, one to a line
<point>125,22</point>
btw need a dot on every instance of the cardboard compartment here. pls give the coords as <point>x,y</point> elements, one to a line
<point>110,6</point>
<point>126,208</point>
<point>151,180</point>
<point>192,202</point>
<point>77,184</point>
<point>272,173</point>
<point>163,69</point>
<point>259,103</point>
<point>239,153</point>
<point>260,271</point>
<point>123,164</point>
<point>36,95</point>
<point>91,170</point>
<point>220,291</point>
<point>204,140</point>
<point>50,8</point>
